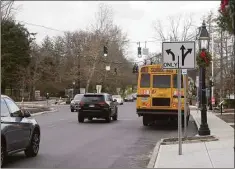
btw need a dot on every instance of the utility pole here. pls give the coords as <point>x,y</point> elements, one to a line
<point>221,65</point>
<point>212,72</point>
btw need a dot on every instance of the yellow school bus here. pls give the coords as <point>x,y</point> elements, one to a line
<point>157,94</point>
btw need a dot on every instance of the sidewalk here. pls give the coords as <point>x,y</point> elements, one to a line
<point>215,154</point>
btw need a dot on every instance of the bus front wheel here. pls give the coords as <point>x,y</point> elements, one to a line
<point>145,120</point>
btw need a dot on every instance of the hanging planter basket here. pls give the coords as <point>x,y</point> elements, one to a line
<point>204,59</point>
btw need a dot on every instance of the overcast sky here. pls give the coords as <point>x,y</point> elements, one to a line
<point>136,18</point>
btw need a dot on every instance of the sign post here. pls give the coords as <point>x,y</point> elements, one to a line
<point>185,103</point>
<point>179,55</point>
<point>179,112</point>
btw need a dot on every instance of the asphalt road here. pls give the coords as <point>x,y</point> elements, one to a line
<point>96,144</point>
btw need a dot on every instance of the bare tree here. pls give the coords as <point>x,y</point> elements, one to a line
<point>173,33</point>
<point>6,9</point>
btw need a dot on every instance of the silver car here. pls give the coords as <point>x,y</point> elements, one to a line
<point>74,105</point>
<point>19,131</point>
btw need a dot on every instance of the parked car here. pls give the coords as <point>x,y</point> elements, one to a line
<point>94,105</point>
<point>129,98</point>
<point>19,131</point>
<point>134,96</point>
<point>119,99</point>
<point>75,102</point>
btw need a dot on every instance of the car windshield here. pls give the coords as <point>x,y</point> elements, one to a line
<point>78,97</point>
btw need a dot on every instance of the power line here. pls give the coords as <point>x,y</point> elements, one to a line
<point>32,24</point>
<point>53,29</point>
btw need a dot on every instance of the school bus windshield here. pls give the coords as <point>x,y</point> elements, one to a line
<point>161,81</point>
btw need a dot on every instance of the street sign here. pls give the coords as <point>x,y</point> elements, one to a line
<point>197,81</point>
<point>82,90</point>
<point>98,88</point>
<point>145,51</point>
<point>37,94</point>
<point>107,68</point>
<point>118,90</point>
<point>184,71</point>
<point>178,55</point>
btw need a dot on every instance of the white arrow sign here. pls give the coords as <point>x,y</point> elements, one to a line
<point>178,55</point>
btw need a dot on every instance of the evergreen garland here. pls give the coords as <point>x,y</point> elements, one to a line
<point>226,18</point>
<point>201,62</point>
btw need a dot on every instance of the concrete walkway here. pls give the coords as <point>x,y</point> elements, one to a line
<point>215,154</point>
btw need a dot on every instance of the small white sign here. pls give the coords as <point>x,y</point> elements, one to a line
<point>178,55</point>
<point>82,90</point>
<point>184,71</point>
<point>98,88</point>
<point>107,68</point>
<point>145,51</point>
<point>197,81</point>
<point>118,90</point>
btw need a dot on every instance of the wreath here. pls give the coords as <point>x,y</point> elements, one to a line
<point>204,59</point>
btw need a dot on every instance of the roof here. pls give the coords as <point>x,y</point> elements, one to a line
<point>2,95</point>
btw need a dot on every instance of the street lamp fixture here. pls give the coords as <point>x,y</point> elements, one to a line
<point>203,45</point>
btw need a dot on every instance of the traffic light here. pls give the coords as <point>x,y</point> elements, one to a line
<point>105,51</point>
<point>47,96</point>
<point>135,68</point>
<point>145,62</point>
<point>139,50</point>
<point>211,83</point>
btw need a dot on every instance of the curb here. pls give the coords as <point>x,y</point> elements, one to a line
<point>39,113</point>
<point>154,155</point>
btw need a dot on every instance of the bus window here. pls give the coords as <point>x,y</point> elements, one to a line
<point>175,81</point>
<point>161,81</point>
<point>145,80</point>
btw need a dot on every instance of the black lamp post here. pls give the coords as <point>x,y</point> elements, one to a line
<point>203,45</point>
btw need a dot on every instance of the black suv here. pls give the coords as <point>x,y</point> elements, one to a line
<point>94,105</point>
<point>19,131</point>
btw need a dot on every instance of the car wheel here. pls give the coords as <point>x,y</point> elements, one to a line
<point>33,148</point>
<point>3,153</point>
<point>80,119</point>
<point>90,118</point>
<point>115,117</point>
<point>72,110</point>
<point>108,119</point>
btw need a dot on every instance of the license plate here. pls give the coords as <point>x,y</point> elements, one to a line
<point>92,106</point>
